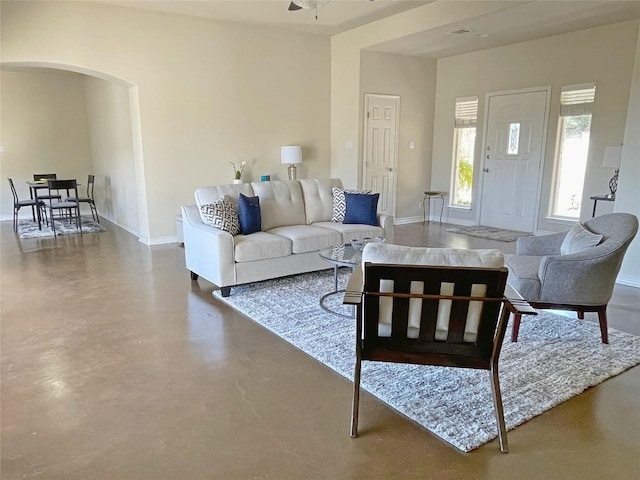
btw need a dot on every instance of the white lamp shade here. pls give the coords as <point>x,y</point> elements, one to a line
<point>612,157</point>
<point>291,154</point>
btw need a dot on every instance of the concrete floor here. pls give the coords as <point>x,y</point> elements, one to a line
<point>116,366</point>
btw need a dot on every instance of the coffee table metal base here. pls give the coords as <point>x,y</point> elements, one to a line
<point>335,291</point>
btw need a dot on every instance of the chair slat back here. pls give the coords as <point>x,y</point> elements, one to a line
<point>66,185</point>
<point>44,176</point>
<point>90,182</point>
<point>446,315</point>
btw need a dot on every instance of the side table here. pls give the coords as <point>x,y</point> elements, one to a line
<point>426,204</point>
<point>604,198</point>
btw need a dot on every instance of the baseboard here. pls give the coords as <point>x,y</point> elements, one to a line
<point>162,240</point>
<point>629,280</point>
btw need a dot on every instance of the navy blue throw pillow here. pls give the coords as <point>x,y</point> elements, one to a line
<point>361,208</point>
<point>249,214</point>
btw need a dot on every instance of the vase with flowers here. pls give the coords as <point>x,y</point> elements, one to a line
<point>237,172</point>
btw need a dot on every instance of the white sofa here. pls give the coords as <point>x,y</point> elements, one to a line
<point>296,225</point>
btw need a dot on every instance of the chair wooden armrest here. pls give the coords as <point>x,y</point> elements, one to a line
<point>353,292</point>
<point>516,304</point>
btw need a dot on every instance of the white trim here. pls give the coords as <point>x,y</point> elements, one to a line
<point>629,280</point>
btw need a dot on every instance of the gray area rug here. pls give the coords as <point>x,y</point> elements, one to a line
<point>489,232</point>
<point>555,358</point>
<point>29,228</point>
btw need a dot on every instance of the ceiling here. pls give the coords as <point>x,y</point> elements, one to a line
<point>517,21</point>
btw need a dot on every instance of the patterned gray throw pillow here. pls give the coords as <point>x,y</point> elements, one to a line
<point>221,214</point>
<point>340,204</point>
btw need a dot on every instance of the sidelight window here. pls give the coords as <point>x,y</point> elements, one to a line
<point>464,144</point>
<point>574,129</point>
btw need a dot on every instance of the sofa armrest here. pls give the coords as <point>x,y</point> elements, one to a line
<point>540,245</point>
<point>209,252</point>
<point>387,223</point>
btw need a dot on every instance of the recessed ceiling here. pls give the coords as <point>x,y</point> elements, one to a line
<point>518,21</point>
<point>334,16</point>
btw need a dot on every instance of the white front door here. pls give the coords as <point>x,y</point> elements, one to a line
<point>514,148</point>
<point>380,149</point>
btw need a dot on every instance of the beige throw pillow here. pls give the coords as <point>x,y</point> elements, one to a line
<point>578,239</point>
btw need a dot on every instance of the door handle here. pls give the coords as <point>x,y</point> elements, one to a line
<point>485,170</point>
<point>391,169</point>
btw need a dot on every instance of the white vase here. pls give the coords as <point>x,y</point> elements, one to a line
<point>237,180</point>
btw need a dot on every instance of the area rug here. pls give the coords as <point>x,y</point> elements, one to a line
<point>489,232</point>
<point>554,359</point>
<point>29,228</point>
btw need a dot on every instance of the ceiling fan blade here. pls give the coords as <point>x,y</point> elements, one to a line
<point>293,7</point>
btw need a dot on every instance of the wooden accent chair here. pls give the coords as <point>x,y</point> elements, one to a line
<point>432,315</point>
<point>580,281</point>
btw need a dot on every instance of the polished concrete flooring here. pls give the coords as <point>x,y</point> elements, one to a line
<point>116,366</point>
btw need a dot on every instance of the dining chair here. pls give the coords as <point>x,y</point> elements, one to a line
<point>46,176</point>
<point>18,204</point>
<point>444,316</point>
<point>88,199</point>
<point>71,208</point>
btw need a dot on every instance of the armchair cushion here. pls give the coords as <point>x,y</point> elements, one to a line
<point>578,239</point>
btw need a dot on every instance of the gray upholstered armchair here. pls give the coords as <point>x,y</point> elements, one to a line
<point>581,281</point>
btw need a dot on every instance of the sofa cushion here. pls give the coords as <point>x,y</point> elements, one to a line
<point>221,214</point>
<point>340,203</point>
<point>281,203</point>
<point>397,254</point>
<point>361,208</point>
<point>249,214</point>
<point>351,231</point>
<point>318,198</point>
<point>260,246</point>
<point>308,238</point>
<point>578,239</point>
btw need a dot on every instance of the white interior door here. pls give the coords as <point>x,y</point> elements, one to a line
<point>381,149</point>
<point>514,146</point>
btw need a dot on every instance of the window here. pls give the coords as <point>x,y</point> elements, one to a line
<point>574,129</point>
<point>464,143</point>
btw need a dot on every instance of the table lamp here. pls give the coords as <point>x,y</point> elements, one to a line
<point>612,157</point>
<point>291,154</point>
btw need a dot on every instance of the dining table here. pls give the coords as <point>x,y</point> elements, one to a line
<point>34,186</point>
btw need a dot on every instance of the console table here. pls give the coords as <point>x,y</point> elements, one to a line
<point>604,198</point>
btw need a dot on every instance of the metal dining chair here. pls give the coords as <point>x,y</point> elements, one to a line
<point>88,199</point>
<point>46,176</point>
<point>18,204</point>
<point>70,208</point>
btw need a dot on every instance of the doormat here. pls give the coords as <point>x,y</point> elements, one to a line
<point>489,232</point>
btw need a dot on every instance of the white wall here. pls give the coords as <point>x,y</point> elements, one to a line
<point>628,195</point>
<point>43,127</point>
<point>109,125</point>
<point>603,55</point>
<point>414,80</point>
<point>209,92</point>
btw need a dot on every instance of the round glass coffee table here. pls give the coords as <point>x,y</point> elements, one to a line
<point>339,256</point>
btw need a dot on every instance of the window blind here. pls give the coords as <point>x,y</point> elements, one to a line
<point>466,114</point>
<point>577,99</point>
